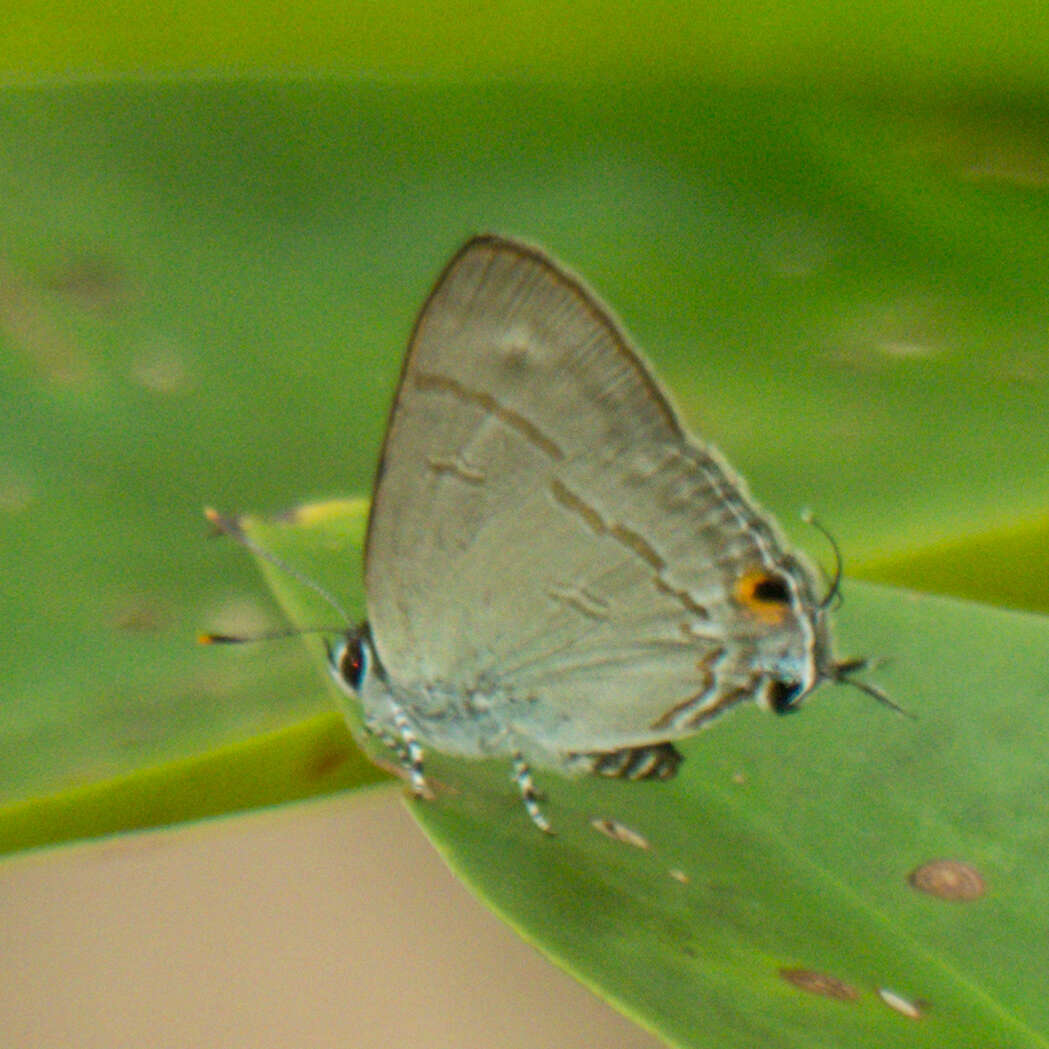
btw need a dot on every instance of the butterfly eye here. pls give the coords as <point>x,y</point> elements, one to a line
<point>766,595</point>
<point>352,662</point>
<point>781,695</point>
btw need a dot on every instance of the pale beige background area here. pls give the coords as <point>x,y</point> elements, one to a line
<point>326,923</point>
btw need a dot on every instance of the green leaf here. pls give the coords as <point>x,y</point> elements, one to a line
<point>1005,566</point>
<point>309,758</point>
<point>868,43</point>
<point>786,844</point>
<point>205,293</point>
<point>207,288</point>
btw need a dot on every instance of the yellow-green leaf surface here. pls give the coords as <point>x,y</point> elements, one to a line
<point>311,757</point>
<point>866,42</point>
<point>205,290</point>
<point>785,845</point>
<point>826,227</point>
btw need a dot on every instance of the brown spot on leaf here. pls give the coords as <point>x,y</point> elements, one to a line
<point>329,760</point>
<point>619,832</point>
<point>949,880</point>
<point>139,615</point>
<point>820,983</point>
<point>91,281</point>
<point>29,329</point>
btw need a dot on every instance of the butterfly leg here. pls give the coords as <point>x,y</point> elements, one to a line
<point>412,754</point>
<point>655,761</point>
<point>525,783</point>
<point>388,740</point>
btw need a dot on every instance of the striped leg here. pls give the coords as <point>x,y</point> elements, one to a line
<point>655,761</point>
<point>388,740</point>
<point>523,779</point>
<point>412,754</point>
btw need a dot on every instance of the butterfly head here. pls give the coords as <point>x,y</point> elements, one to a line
<point>792,636</point>
<point>800,654</point>
<point>800,666</point>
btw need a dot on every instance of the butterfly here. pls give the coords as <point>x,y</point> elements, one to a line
<point>555,570</point>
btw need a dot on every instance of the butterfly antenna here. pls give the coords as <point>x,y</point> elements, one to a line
<point>231,527</point>
<point>834,590</point>
<point>842,673</point>
<point>268,635</point>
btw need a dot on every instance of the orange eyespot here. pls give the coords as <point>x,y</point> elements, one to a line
<point>765,595</point>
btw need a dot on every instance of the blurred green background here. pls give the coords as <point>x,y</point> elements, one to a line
<point>824,225</point>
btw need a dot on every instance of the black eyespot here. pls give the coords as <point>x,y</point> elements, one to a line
<point>353,662</point>
<point>772,589</point>
<point>782,695</point>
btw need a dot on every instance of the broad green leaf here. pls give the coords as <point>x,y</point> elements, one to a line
<point>785,844</point>
<point>1005,566</point>
<point>867,44</point>
<point>207,287</point>
<point>204,293</point>
<point>311,757</point>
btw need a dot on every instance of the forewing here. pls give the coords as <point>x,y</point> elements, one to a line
<point>541,524</point>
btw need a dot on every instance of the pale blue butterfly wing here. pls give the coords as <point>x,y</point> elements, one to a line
<point>545,537</point>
